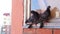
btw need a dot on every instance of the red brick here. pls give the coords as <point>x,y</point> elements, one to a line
<point>56,31</point>
<point>29,31</point>
<point>43,31</point>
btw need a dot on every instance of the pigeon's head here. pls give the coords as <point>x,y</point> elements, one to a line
<point>49,7</point>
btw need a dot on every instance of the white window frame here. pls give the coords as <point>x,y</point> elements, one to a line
<point>27,4</point>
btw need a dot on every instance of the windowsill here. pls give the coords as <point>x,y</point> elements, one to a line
<point>55,23</point>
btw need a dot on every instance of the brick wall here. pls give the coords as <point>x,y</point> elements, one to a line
<point>41,31</point>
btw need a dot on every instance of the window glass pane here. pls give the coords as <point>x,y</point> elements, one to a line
<point>34,5</point>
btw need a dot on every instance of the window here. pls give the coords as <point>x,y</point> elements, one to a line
<point>5,16</point>
<point>42,4</point>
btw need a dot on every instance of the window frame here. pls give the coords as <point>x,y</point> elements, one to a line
<point>27,5</point>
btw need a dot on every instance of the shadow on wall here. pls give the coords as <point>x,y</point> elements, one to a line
<point>55,13</point>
